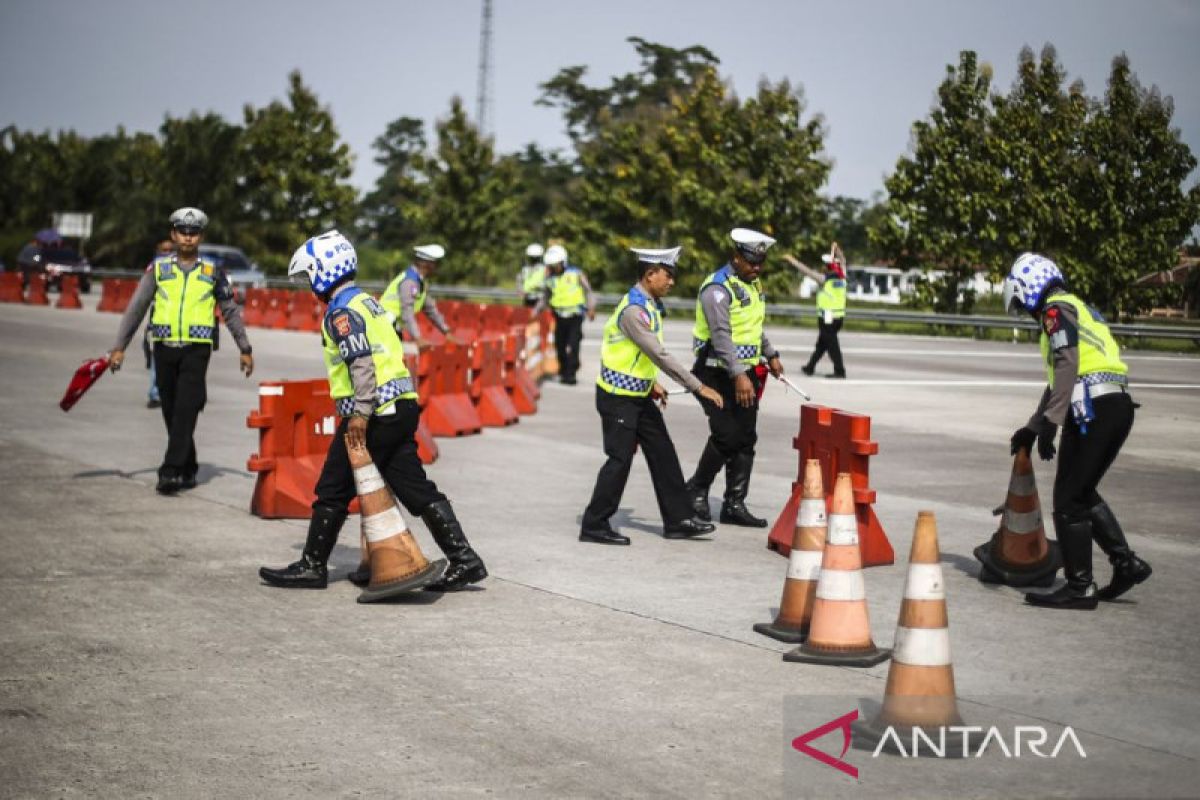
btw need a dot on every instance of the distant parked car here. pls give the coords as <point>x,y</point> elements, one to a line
<point>242,272</point>
<point>57,260</point>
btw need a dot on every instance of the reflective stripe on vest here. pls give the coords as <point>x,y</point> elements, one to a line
<point>392,379</point>
<point>624,368</point>
<point>566,291</point>
<point>747,310</point>
<point>1099,354</point>
<point>184,305</point>
<point>832,296</point>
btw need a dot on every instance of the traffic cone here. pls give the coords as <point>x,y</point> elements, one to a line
<point>68,293</point>
<point>840,632</point>
<point>37,291</point>
<point>1018,554</point>
<point>397,563</point>
<point>804,563</point>
<point>920,683</point>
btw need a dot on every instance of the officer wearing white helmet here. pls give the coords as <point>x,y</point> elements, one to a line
<point>626,391</point>
<point>1087,396</point>
<point>188,289</point>
<point>569,296</point>
<point>531,279</point>
<point>730,346</point>
<point>831,308</point>
<point>376,398</point>
<point>408,294</point>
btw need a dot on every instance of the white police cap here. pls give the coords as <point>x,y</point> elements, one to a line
<point>535,250</point>
<point>555,254</point>
<point>429,252</point>
<point>189,216</point>
<point>666,257</point>
<point>751,244</point>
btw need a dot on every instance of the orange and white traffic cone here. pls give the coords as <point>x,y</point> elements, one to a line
<point>397,563</point>
<point>1018,554</point>
<point>920,684</point>
<point>840,632</point>
<point>804,563</point>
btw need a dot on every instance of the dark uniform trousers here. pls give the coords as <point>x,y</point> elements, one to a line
<point>180,374</point>
<point>568,333</point>
<point>1084,458</point>
<point>733,430</point>
<point>393,448</point>
<point>827,342</point>
<point>626,423</point>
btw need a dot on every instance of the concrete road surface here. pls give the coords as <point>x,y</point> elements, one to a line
<point>140,656</point>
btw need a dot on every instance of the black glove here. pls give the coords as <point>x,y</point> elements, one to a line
<point>1023,439</point>
<point>1045,440</point>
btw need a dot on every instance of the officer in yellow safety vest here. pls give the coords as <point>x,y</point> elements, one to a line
<point>376,398</point>
<point>185,290</point>
<point>1087,395</point>
<point>831,313</point>
<point>531,279</point>
<point>408,295</point>
<point>569,296</point>
<point>730,345</point>
<point>626,391</point>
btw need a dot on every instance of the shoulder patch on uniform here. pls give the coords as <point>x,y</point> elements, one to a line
<point>349,332</point>
<point>719,293</point>
<point>413,289</point>
<point>373,306</point>
<point>1052,320</point>
<point>644,316</point>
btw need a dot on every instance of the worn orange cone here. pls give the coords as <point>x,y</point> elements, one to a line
<point>840,633</point>
<point>1018,554</point>
<point>397,563</point>
<point>920,684</point>
<point>804,563</point>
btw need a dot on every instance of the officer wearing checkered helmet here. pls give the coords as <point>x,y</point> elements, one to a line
<point>188,289</point>
<point>1087,395</point>
<point>376,398</point>
<point>627,389</point>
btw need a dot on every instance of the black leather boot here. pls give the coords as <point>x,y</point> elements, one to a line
<point>1075,544</point>
<point>310,572</point>
<point>737,486</point>
<point>466,567</point>
<point>697,486</point>
<point>1128,569</point>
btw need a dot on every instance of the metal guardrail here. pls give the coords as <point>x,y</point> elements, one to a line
<point>786,310</point>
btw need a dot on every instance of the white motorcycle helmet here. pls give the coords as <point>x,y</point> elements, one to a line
<point>325,260</point>
<point>1030,277</point>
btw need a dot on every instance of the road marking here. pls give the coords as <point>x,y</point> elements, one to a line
<point>917,382</point>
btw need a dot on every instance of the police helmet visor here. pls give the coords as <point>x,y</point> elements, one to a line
<point>188,230</point>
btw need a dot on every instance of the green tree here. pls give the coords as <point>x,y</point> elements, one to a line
<point>295,173</point>
<point>202,167</point>
<point>943,207</point>
<point>398,151</point>
<point>1138,213</point>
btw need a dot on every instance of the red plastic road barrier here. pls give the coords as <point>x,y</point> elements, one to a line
<point>448,408</point>
<point>496,320</point>
<point>841,441</point>
<point>427,449</point>
<point>296,423</point>
<point>37,291</point>
<point>546,335</point>
<point>277,303</point>
<point>468,321</point>
<point>254,308</point>
<point>108,295</point>
<point>522,389</point>
<point>303,314</point>
<point>126,289</point>
<point>10,288</point>
<point>68,295</point>
<point>487,384</point>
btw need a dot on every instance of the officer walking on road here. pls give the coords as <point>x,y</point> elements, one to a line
<point>376,398</point>
<point>626,392</point>
<point>184,289</point>
<point>831,311</point>
<point>531,280</point>
<point>1087,395</point>
<point>730,344</point>
<point>408,295</point>
<point>569,296</point>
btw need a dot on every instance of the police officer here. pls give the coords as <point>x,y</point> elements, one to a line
<point>408,295</point>
<point>1087,396</point>
<point>531,279</point>
<point>569,296</point>
<point>184,289</point>
<point>626,391</point>
<point>831,313</point>
<point>730,344</point>
<point>376,398</point>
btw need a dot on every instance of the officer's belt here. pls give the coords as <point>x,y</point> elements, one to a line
<point>1101,389</point>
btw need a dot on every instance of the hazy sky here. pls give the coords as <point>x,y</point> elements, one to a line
<point>869,68</point>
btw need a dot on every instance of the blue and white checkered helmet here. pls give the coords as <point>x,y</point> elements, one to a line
<point>1031,275</point>
<point>325,259</point>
